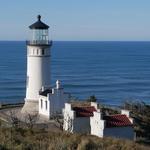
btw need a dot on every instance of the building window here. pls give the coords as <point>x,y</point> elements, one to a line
<point>42,51</point>
<point>46,105</point>
<point>41,103</point>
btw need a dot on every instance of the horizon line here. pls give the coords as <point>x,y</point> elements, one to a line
<point>82,40</point>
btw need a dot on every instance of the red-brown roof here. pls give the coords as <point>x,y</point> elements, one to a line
<point>84,111</point>
<point>118,120</point>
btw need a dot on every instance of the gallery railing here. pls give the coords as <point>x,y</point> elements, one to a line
<point>39,42</point>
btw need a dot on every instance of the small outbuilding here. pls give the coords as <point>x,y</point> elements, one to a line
<point>89,119</point>
<point>77,118</point>
<point>51,101</point>
<point>118,125</point>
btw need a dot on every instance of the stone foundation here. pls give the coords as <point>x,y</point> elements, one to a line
<point>30,107</point>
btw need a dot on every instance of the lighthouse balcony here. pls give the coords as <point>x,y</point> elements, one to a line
<point>39,43</point>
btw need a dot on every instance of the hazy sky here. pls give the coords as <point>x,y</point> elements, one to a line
<point>77,19</point>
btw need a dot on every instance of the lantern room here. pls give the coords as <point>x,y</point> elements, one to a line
<point>39,33</point>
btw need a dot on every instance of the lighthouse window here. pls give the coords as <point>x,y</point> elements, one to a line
<point>33,51</point>
<point>46,105</point>
<point>42,51</point>
<point>41,103</point>
<point>37,51</point>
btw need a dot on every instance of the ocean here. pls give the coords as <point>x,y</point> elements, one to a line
<point>112,71</point>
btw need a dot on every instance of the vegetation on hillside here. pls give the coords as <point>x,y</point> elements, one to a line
<point>15,135</point>
<point>22,138</point>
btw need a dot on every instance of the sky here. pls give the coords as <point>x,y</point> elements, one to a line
<point>78,20</point>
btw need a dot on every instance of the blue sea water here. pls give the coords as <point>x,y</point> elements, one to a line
<point>112,71</point>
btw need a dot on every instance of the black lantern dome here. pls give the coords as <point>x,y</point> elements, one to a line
<point>39,24</point>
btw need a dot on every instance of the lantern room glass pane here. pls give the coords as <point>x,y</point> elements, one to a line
<point>40,36</point>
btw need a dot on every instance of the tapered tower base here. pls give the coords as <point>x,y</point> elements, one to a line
<point>30,107</point>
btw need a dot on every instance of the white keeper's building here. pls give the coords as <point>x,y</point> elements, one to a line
<point>51,101</point>
<point>89,119</point>
<point>117,125</point>
<point>77,118</point>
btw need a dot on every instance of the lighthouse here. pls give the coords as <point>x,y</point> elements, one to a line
<point>38,64</point>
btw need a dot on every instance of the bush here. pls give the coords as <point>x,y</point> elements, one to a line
<point>92,99</point>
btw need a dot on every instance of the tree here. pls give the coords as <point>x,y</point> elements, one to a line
<point>59,122</point>
<point>69,121</point>
<point>30,120</point>
<point>92,98</point>
<point>14,120</point>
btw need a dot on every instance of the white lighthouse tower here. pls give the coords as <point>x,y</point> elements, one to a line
<point>38,64</point>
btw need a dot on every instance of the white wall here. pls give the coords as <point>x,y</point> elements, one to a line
<point>38,71</point>
<point>120,132</point>
<point>75,124</point>
<point>55,100</point>
<point>42,107</point>
<point>97,124</point>
<point>81,125</point>
<point>69,116</point>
